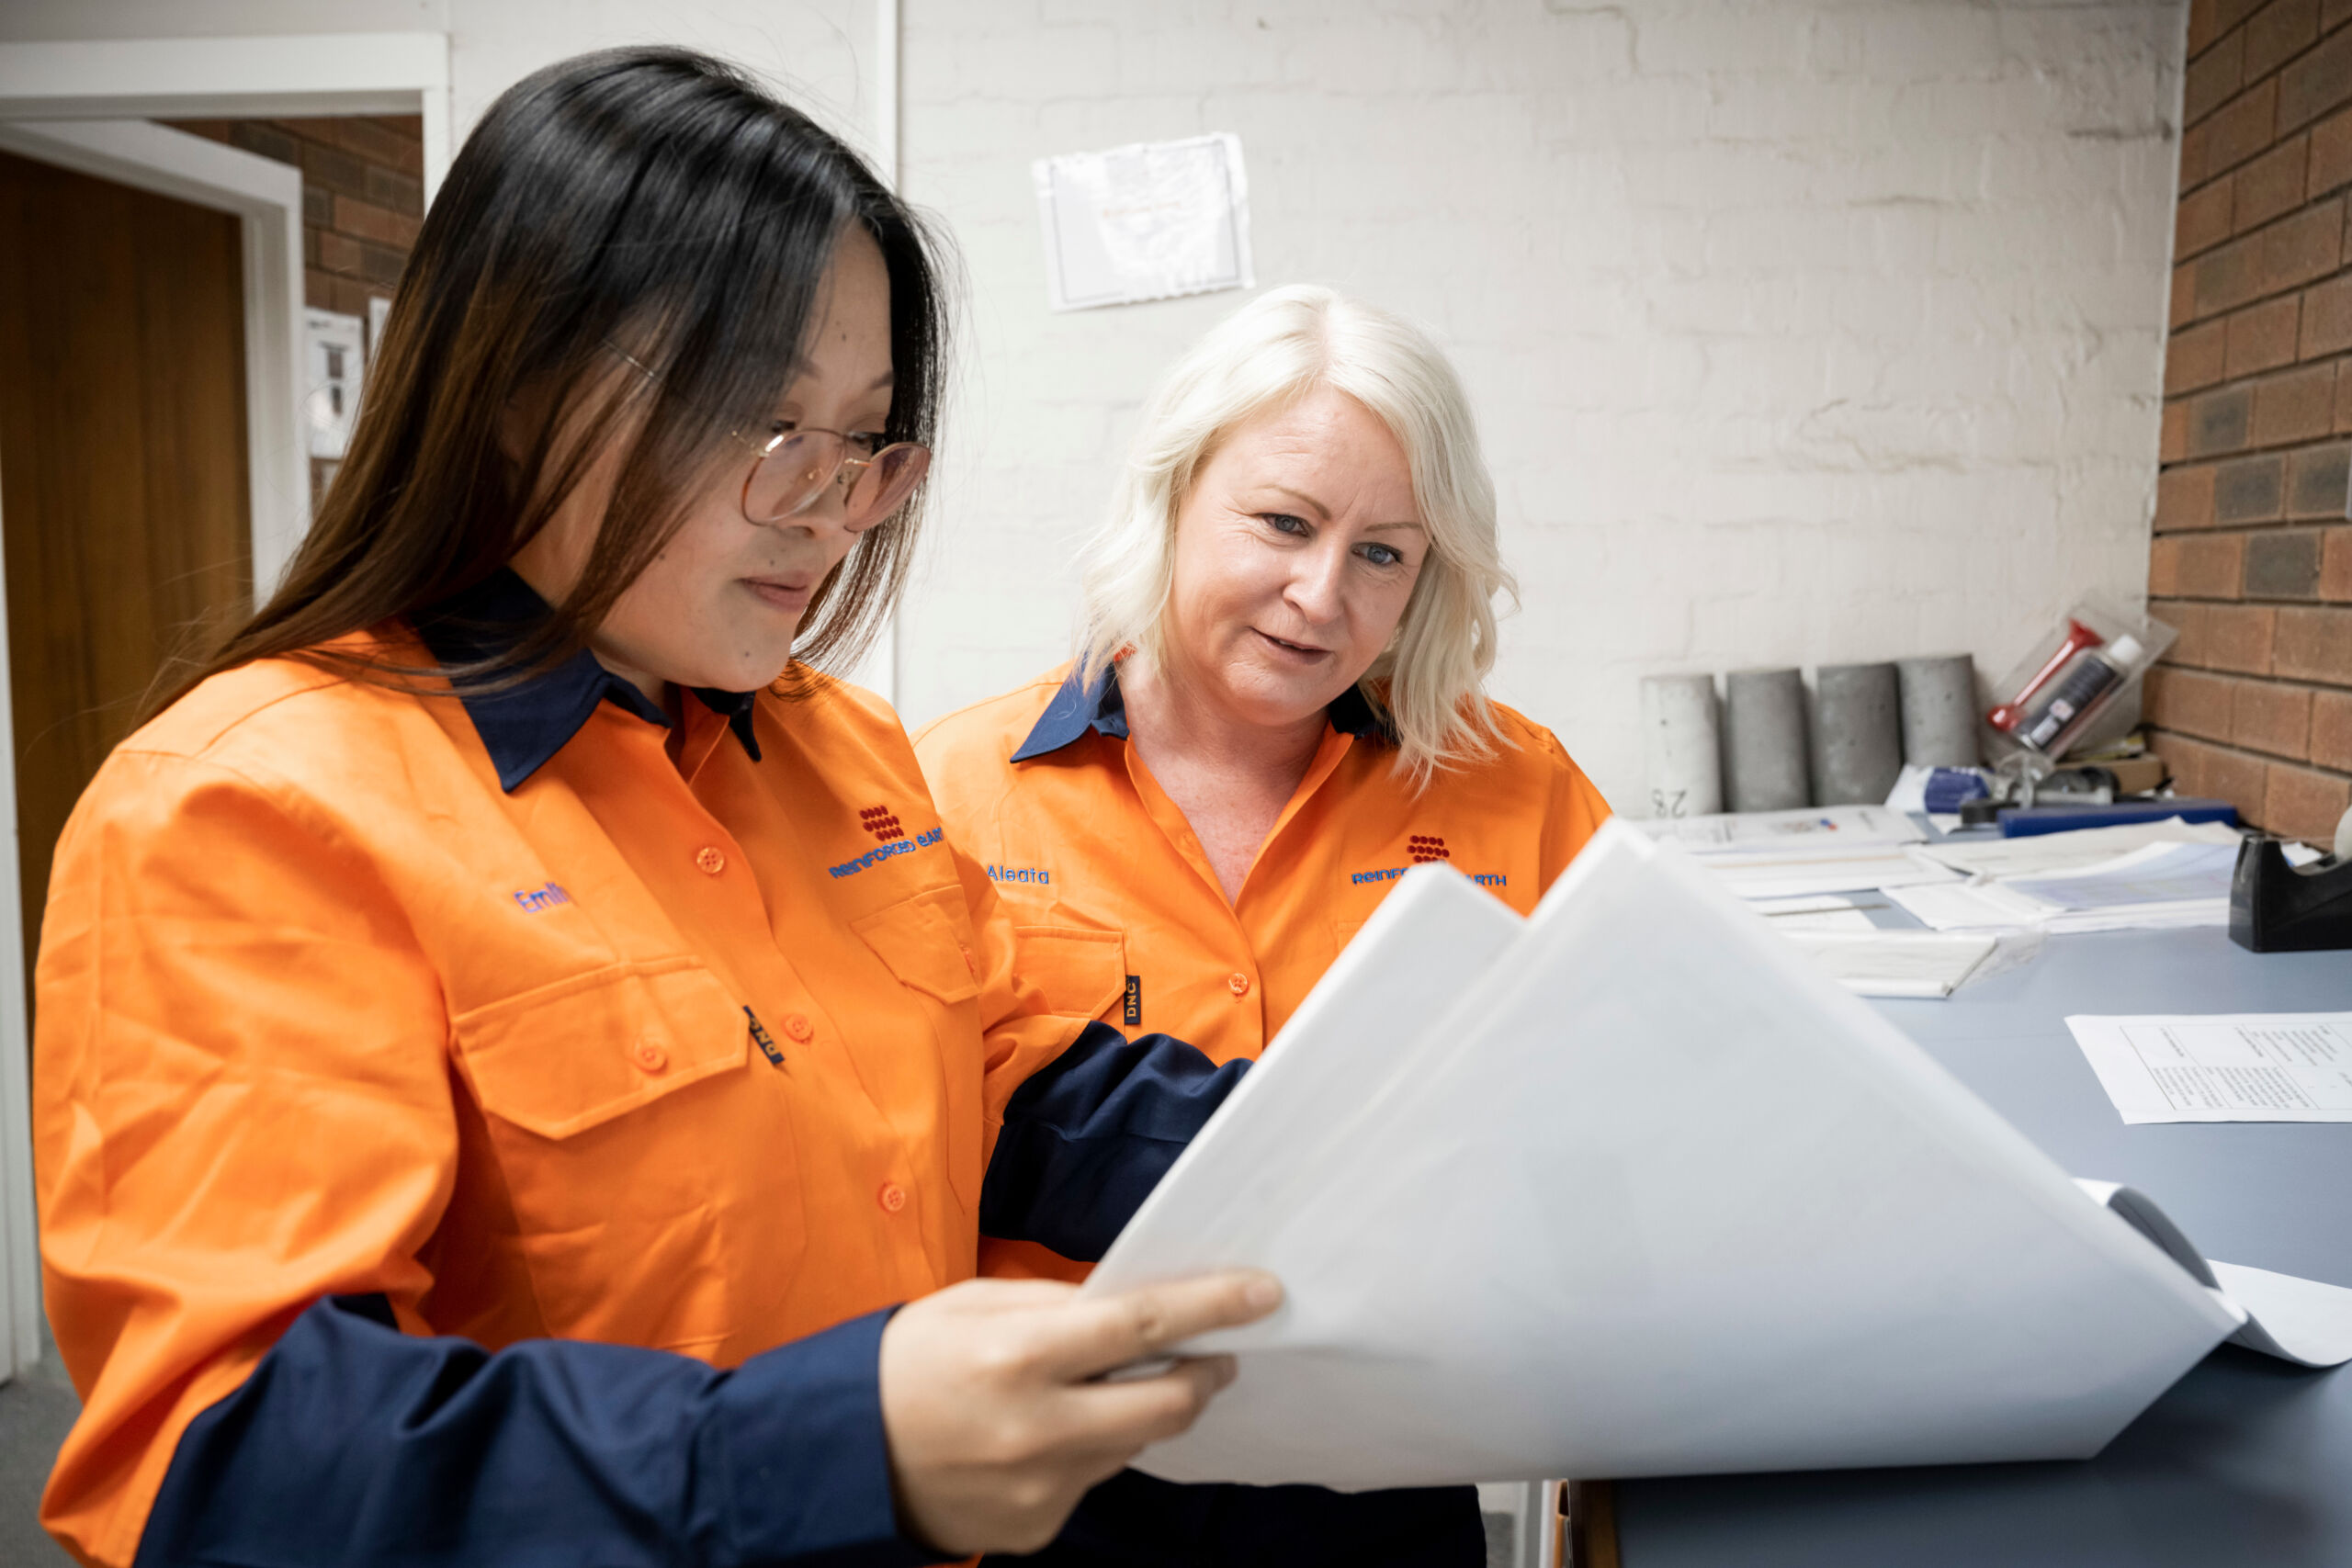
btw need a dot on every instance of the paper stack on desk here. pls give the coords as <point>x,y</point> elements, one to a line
<point>1790,854</point>
<point>1630,1189</point>
<point>2156,886</point>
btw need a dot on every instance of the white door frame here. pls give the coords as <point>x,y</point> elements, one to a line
<point>119,84</point>
<point>267,199</point>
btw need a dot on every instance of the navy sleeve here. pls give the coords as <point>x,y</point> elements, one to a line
<point>1087,1139</point>
<point>357,1445</point>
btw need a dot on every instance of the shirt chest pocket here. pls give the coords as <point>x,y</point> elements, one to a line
<point>1081,972</point>
<point>639,1160</point>
<point>566,1058</point>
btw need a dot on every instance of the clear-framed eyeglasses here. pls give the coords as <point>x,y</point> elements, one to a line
<point>792,468</point>
<point>795,468</point>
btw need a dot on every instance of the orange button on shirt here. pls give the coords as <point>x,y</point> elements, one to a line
<point>1117,914</point>
<point>695,1053</point>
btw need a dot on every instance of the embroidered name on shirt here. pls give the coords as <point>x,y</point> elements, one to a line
<point>537,900</point>
<point>760,1038</point>
<point>1018,874</point>
<point>901,845</point>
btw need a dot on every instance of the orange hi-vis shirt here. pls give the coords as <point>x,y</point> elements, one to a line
<point>698,1052</point>
<point>1118,914</point>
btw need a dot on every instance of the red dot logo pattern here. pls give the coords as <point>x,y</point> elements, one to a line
<point>1425,847</point>
<point>882,822</point>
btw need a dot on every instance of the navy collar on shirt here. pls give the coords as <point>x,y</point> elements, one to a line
<point>1077,709</point>
<point>523,725</point>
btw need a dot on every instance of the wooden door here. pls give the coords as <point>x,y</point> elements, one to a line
<point>122,468</point>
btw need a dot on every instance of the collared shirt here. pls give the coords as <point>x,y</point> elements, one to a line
<point>524,724</point>
<point>412,1070</point>
<point>1119,915</point>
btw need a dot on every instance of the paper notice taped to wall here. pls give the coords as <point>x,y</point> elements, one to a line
<point>1147,221</point>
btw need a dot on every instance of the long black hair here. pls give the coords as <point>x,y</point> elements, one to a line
<point>650,197</point>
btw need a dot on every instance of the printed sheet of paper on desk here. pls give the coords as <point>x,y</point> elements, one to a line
<point>1644,1192</point>
<point>1802,871</point>
<point>2225,1067</point>
<point>1809,827</point>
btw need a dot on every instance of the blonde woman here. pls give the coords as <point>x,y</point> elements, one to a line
<point>1277,708</point>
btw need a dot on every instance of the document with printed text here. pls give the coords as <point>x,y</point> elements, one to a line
<point>2224,1067</point>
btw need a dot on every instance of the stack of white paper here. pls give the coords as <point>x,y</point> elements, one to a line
<point>1631,1188</point>
<point>2157,885</point>
<point>2041,854</point>
<point>1809,826</point>
<point>1791,854</point>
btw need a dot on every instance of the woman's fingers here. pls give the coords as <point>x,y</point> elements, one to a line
<point>994,1427</point>
<point>1090,1337</point>
<point>1127,1416</point>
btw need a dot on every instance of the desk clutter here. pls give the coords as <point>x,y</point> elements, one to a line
<point>1828,877</point>
<point>1771,745</point>
<point>1628,1187</point>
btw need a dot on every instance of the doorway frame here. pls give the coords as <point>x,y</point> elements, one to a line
<point>119,84</point>
<point>266,198</point>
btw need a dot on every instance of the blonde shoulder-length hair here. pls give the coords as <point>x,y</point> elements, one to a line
<point>1428,684</point>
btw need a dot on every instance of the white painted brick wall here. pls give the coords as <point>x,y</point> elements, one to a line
<point>1800,332</point>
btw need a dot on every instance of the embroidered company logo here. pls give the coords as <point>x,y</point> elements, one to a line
<point>536,900</point>
<point>883,823</point>
<point>1422,848</point>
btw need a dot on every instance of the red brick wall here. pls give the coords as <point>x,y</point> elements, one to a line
<point>2253,557</point>
<point>363,196</point>
<point>363,201</point>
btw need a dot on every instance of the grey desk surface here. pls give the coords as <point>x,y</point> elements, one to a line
<point>2246,1459</point>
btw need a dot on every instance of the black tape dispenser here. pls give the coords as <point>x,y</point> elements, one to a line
<point>2277,907</point>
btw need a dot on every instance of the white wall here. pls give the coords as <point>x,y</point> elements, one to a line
<point>818,52</point>
<point>1799,331</point>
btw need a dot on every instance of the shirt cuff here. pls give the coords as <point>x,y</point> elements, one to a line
<point>800,1448</point>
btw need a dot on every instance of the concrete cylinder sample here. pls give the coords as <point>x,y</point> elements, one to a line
<point>1764,748</point>
<point>1939,711</point>
<point>1680,749</point>
<point>1857,734</point>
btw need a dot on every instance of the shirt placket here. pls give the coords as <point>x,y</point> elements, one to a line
<point>816,1050</point>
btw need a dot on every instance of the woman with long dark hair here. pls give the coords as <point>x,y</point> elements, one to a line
<point>511,1032</point>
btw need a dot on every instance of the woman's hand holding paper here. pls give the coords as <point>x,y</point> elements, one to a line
<point>996,1421</point>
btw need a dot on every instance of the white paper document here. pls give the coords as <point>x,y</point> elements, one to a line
<point>1835,914</point>
<point>1800,870</point>
<point>2225,1067</point>
<point>1812,825</point>
<point>1894,963</point>
<point>2159,886</point>
<point>2042,853</point>
<point>2303,1320</point>
<point>1641,1191</point>
<point>2171,884</point>
<point>1144,222</point>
